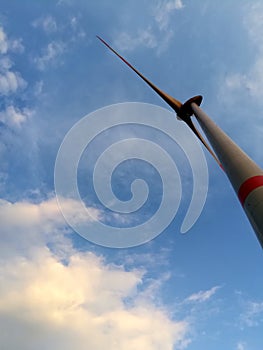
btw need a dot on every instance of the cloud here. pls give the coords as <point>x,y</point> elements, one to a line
<point>241,346</point>
<point>72,300</point>
<point>252,316</point>
<point>14,117</point>
<point>3,42</point>
<point>164,10</point>
<point>50,55</point>
<point>10,81</point>
<point>203,295</point>
<point>80,305</point>
<point>47,23</point>
<point>128,42</point>
<point>26,225</point>
<point>157,34</point>
<point>8,44</point>
<point>250,81</point>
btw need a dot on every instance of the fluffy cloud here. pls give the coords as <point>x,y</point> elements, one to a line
<point>80,305</point>
<point>37,223</point>
<point>9,45</point>
<point>72,302</point>
<point>10,81</point>
<point>15,117</point>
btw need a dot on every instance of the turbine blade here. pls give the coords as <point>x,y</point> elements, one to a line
<point>172,102</point>
<point>200,137</point>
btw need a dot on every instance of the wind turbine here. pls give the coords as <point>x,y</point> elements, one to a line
<point>244,174</point>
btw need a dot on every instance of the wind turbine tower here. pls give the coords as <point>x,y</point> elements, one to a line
<point>244,174</point>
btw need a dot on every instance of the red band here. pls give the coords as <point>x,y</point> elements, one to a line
<point>248,186</point>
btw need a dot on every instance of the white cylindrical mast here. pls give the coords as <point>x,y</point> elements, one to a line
<point>244,174</point>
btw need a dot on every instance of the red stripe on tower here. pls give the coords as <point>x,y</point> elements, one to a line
<point>248,186</point>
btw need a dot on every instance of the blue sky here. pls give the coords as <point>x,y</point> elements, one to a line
<point>201,290</point>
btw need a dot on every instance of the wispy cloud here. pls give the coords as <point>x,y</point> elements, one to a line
<point>50,55</point>
<point>164,10</point>
<point>47,23</point>
<point>252,316</point>
<point>129,42</point>
<point>156,34</point>
<point>203,295</point>
<point>250,81</point>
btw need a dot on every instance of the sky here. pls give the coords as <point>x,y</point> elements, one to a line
<point>194,291</point>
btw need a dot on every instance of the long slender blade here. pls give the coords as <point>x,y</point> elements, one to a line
<point>172,102</point>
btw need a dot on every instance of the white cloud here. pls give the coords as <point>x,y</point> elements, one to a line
<point>241,346</point>
<point>48,24</point>
<point>16,45</point>
<point>80,305</point>
<point>15,117</point>
<point>203,295</point>
<point>252,316</point>
<point>3,42</point>
<point>164,10</point>
<point>8,44</point>
<point>128,42</point>
<point>50,54</point>
<point>45,214</point>
<point>10,82</point>
<point>25,225</point>
<point>46,302</point>
<point>250,81</point>
<point>156,34</point>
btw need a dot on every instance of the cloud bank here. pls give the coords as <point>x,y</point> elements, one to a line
<point>72,300</point>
